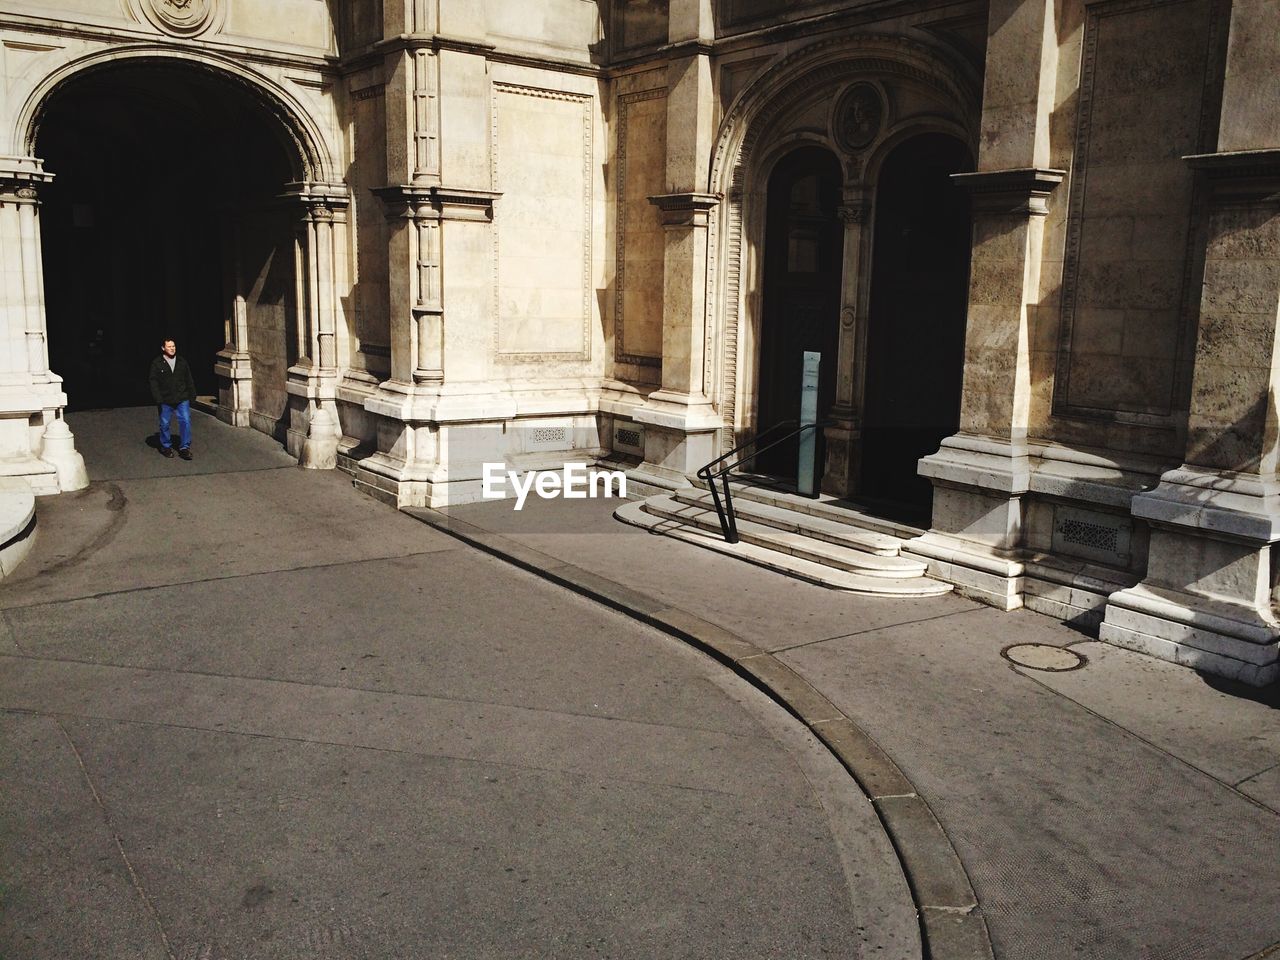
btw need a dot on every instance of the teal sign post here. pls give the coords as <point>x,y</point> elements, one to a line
<point>806,467</point>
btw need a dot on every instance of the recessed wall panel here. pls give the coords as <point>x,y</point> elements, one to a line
<point>641,164</point>
<point>1128,298</point>
<point>542,256</point>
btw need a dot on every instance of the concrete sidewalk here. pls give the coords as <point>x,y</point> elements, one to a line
<point>248,712</point>
<point>1128,809</point>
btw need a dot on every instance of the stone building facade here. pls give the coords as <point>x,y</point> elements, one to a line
<point>1035,241</point>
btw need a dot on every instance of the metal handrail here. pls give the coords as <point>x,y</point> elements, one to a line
<point>707,473</point>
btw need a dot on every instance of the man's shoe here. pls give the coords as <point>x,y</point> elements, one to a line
<point>184,453</point>
<point>167,452</point>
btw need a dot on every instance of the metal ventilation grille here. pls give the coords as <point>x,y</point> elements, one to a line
<point>548,436</point>
<point>629,438</point>
<point>1090,535</point>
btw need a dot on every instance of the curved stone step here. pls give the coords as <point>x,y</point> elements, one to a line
<point>785,518</point>
<point>827,508</point>
<point>634,513</point>
<point>784,541</point>
<point>17,523</point>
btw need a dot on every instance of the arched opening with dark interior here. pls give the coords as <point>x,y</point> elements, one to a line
<point>165,220</point>
<point>915,336</point>
<point>803,253</point>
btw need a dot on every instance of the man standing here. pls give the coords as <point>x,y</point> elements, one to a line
<point>173,388</point>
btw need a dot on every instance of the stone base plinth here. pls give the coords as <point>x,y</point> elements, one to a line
<point>1227,640</point>
<point>971,568</point>
<point>1073,591</point>
<point>391,482</point>
<point>976,531</point>
<point>676,456</point>
<point>1206,600</point>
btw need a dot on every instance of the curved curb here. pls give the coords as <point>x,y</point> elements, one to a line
<point>952,926</point>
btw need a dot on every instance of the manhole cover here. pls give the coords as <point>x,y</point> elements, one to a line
<point>1041,656</point>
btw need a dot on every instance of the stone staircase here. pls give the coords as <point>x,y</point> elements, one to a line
<point>813,540</point>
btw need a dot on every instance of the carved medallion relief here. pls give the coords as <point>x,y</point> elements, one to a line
<point>181,18</point>
<point>858,117</point>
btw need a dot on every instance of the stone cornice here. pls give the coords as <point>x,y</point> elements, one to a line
<point>411,201</point>
<point>23,170</point>
<point>1022,190</point>
<point>806,28</point>
<point>1241,175</point>
<point>375,54</point>
<point>685,209</point>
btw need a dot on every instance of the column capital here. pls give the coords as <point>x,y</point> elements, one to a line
<point>320,202</point>
<point>854,211</point>
<point>21,177</point>
<point>1022,190</point>
<point>685,209</point>
<point>318,193</point>
<point>1240,175</point>
<point>416,202</point>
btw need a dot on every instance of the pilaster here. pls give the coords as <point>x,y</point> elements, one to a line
<point>233,364</point>
<point>424,221</point>
<point>844,435</point>
<point>35,442</point>
<point>681,413</point>
<point>682,420</point>
<point>313,379</point>
<point>427,223</point>
<point>981,474</point>
<point>1209,595</point>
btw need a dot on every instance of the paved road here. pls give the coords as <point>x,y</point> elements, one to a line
<point>249,713</point>
<point>1129,810</point>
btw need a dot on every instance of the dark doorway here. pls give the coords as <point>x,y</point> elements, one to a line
<point>803,251</point>
<point>915,340</point>
<point>164,193</point>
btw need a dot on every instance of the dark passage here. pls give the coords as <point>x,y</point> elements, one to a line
<point>804,244</point>
<point>919,294</point>
<point>164,192</point>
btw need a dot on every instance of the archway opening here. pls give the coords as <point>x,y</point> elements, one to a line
<point>803,253</point>
<point>916,327</point>
<point>164,220</point>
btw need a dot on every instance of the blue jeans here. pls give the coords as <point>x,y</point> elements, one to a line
<point>183,410</point>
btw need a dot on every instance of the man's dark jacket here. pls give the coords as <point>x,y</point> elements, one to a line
<point>171,387</point>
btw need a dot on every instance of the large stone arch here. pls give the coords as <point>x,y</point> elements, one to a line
<point>312,154</point>
<point>759,127</point>
<point>310,141</point>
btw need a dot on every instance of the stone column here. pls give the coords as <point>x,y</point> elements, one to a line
<point>844,436</point>
<point>34,439</point>
<point>1210,592</point>
<point>683,422</point>
<point>314,430</point>
<point>428,302</point>
<point>233,363</point>
<point>981,474</point>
